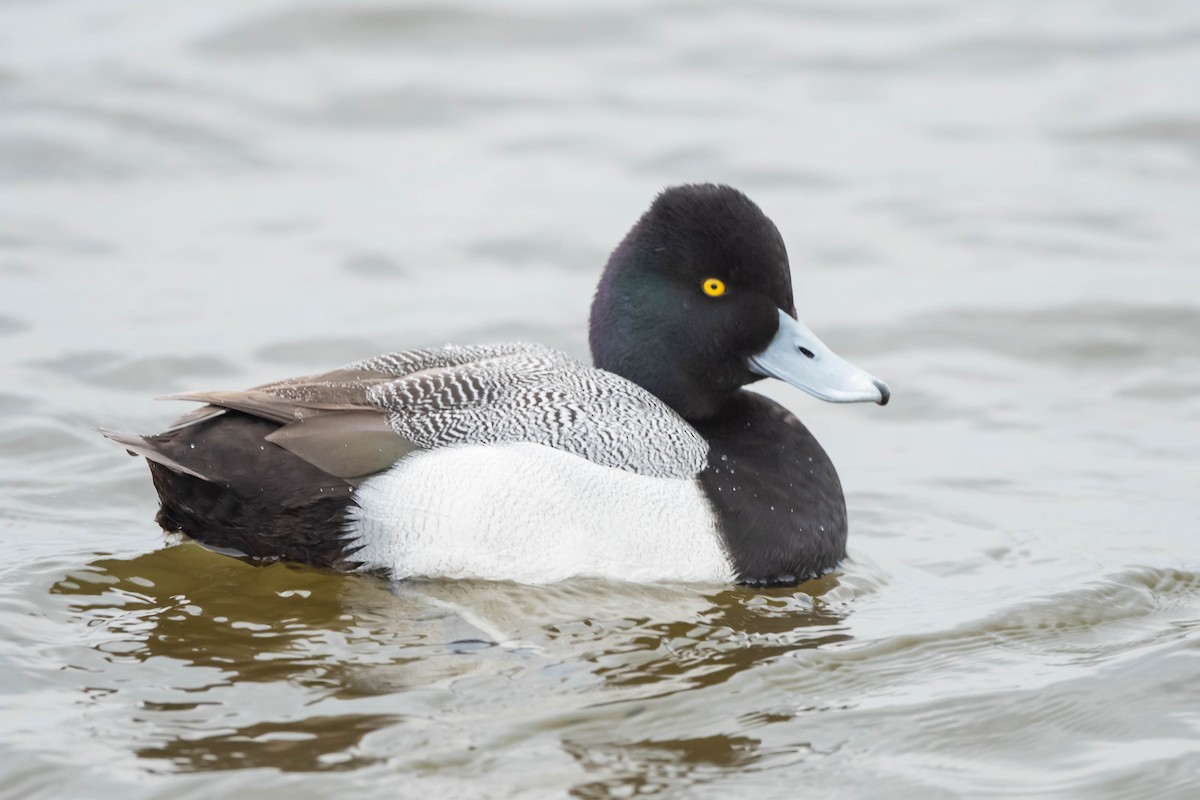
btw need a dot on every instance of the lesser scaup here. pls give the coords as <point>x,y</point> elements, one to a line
<point>516,462</point>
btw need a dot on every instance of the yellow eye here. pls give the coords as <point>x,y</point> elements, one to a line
<point>713,287</point>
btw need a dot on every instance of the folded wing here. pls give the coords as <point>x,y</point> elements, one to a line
<point>362,418</point>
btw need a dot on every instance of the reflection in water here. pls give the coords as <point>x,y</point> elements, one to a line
<point>315,744</point>
<point>648,767</point>
<point>362,655</point>
<point>737,632</point>
<point>206,609</point>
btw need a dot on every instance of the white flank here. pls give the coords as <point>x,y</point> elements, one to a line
<point>533,514</point>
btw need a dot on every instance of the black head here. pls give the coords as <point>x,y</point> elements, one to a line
<point>689,295</point>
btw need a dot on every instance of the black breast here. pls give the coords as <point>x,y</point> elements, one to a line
<point>778,499</point>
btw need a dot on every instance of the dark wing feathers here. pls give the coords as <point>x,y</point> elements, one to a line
<point>254,402</point>
<point>348,444</point>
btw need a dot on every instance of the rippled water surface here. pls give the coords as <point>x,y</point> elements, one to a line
<point>992,205</point>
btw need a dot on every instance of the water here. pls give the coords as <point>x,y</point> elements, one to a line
<point>990,205</point>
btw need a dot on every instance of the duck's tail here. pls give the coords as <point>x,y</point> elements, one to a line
<point>221,482</point>
<point>144,446</point>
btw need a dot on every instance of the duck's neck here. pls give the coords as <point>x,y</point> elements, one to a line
<point>690,398</point>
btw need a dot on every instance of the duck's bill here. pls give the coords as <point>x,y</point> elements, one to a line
<point>798,357</point>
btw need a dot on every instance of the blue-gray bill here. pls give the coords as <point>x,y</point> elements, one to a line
<point>798,357</point>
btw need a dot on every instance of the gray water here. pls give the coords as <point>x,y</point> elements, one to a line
<point>991,205</point>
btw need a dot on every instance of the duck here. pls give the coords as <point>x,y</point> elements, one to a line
<point>517,462</point>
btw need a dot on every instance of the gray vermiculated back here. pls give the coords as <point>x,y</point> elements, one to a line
<point>508,393</point>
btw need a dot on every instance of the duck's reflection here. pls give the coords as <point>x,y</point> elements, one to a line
<point>313,744</point>
<point>650,767</point>
<point>338,657</point>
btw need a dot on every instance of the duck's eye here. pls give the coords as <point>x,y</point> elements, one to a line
<point>713,287</point>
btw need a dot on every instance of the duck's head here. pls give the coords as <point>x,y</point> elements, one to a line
<point>696,302</point>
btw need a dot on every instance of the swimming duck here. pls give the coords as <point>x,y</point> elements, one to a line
<point>517,462</point>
